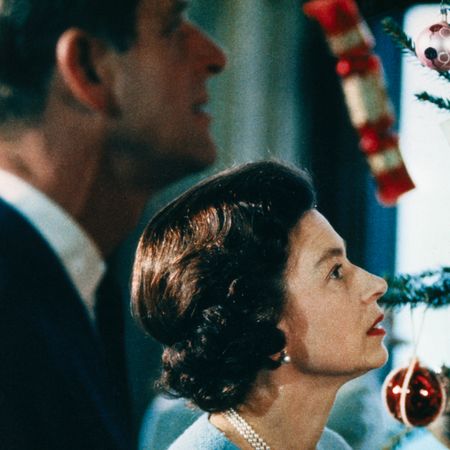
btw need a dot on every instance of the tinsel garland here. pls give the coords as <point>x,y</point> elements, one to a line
<point>429,288</point>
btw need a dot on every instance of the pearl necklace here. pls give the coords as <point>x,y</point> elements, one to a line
<point>245,430</point>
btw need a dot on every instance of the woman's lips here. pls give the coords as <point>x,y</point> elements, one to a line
<point>376,329</point>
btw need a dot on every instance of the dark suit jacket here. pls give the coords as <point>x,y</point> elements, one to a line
<point>54,390</point>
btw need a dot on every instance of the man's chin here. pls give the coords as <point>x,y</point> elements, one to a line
<point>138,165</point>
<point>151,176</point>
<point>200,157</point>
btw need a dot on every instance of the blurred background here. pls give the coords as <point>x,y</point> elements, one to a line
<point>280,97</point>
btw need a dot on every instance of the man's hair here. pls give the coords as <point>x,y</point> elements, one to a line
<point>208,280</point>
<point>29,32</point>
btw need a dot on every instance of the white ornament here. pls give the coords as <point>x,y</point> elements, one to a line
<point>433,47</point>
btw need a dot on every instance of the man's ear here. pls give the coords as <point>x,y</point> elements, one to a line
<point>85,65</point>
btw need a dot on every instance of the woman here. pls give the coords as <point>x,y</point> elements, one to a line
<point>261,314</point>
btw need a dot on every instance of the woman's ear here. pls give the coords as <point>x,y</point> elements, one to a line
<point>281,357</point>
<point>275,357</point>
<point>84,63</point>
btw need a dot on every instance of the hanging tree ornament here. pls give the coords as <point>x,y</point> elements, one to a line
<point>414,395</point>
<point>433,44</point>
<point>350,40</point>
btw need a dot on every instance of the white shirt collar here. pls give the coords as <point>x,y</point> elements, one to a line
<point>76,250</point>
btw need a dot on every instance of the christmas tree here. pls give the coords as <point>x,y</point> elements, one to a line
<point>432,48</point>
<point>430,288</point>
<point>370,113</point>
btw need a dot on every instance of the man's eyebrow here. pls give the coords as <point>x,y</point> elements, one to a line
<point>174,11</point>
<point>331,253</point>
<point>172,14</point>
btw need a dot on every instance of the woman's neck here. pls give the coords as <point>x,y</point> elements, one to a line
<point>286,415</point>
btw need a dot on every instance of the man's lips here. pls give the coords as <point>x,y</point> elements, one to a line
<point>376,329</point>
<point>200,107</point>
<point>201,113</point>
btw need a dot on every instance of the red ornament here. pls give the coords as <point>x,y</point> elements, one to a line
<point>357,65</point>
<point>414,395</point>
<point>373,142</point>
<point>362,79</point>
<point>433,47</point>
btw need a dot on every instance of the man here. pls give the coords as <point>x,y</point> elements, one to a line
<point>101,105</point>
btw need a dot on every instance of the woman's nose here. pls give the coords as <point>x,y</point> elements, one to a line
<point>377,287</point>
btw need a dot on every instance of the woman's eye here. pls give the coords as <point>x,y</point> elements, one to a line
<point>336,273</point>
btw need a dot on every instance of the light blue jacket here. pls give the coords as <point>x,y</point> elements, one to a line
<point>202,435</point>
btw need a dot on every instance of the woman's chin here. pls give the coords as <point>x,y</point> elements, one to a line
<point>379,359</point>
<point>374,361</point>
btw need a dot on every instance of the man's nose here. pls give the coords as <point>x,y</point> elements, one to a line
<point>211,57</point>
<point>219,60</point>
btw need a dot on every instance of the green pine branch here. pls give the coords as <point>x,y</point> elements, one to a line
<point>441,103</point>
<point>430,288</point>
<point>397,441</point>
<point>403,41</point>
<point>445,75</point>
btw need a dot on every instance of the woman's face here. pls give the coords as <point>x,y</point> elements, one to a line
<point>331,304</point>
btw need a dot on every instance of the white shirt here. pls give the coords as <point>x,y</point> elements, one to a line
<point>76,250</point>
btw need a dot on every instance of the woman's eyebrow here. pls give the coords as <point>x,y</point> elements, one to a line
<point>331,253</point>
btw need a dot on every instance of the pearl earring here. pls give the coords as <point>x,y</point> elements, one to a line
<point>284,357</point>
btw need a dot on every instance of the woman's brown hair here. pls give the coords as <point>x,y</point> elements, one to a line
<point>208,279</point>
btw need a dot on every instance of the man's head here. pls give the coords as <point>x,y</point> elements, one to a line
<point>29,32</point>
<point>139,65</point>
<point>161,90</point>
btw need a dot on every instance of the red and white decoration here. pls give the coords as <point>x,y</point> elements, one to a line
<point>414,395</point>
<point>361,73</point>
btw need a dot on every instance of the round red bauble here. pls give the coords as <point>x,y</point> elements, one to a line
<point>414,395</point>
